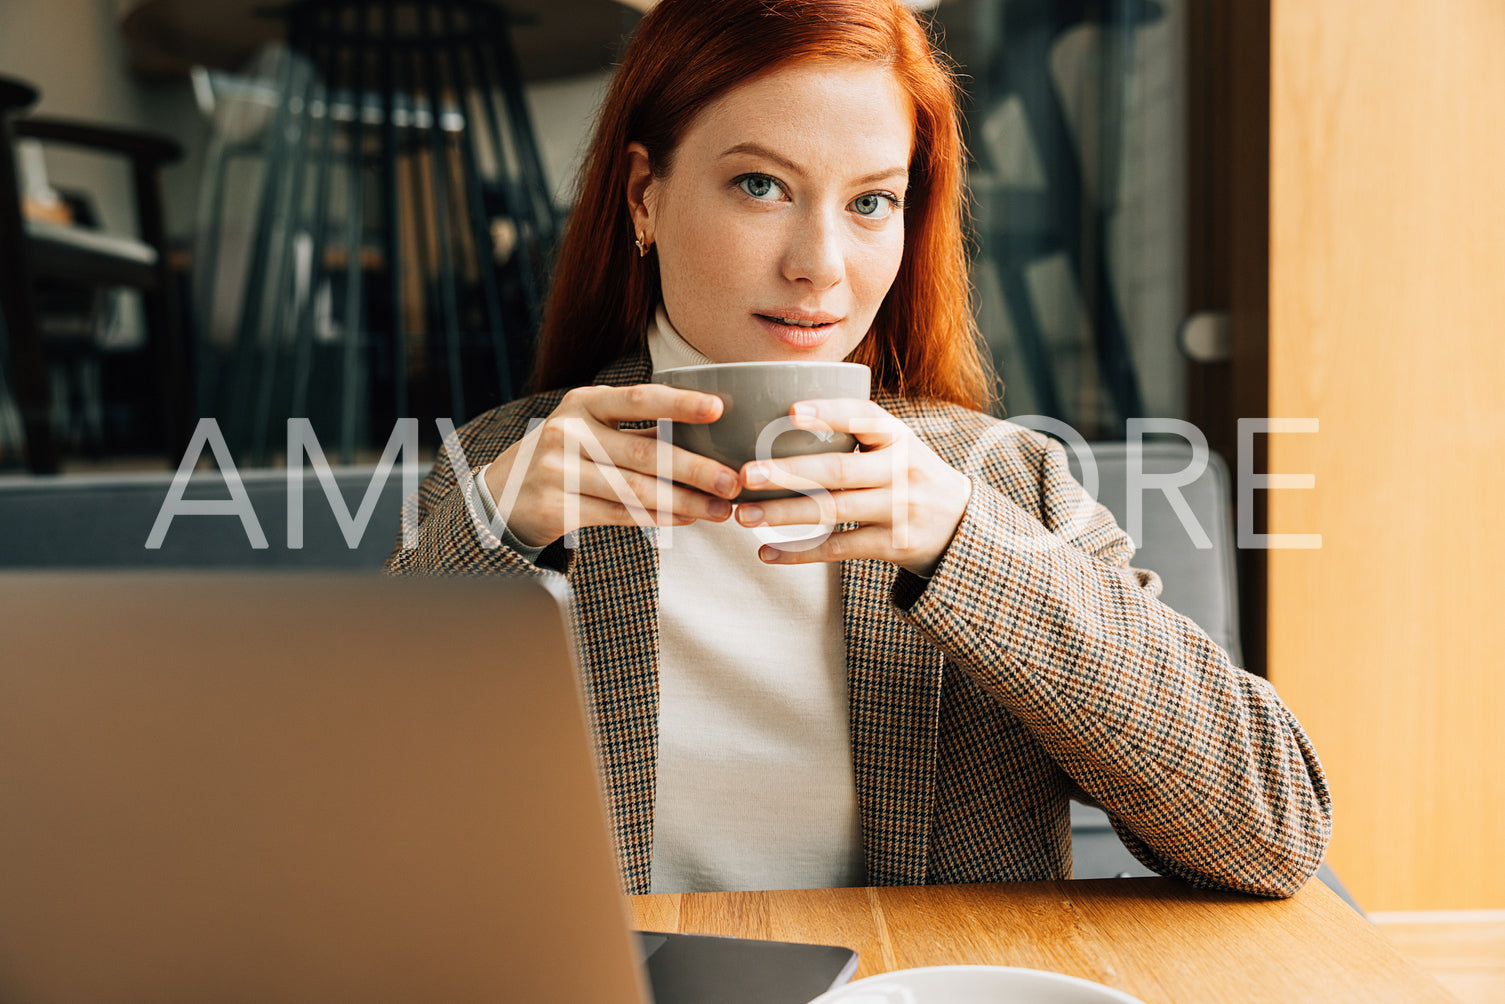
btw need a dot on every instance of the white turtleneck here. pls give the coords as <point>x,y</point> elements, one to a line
<point>755,781</point>
<point>755,785</point>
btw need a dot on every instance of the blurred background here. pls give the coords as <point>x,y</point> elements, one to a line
<point>317,142</point>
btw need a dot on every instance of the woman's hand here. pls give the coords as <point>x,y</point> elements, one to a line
<point>906,501</point>
<point>577,468</point>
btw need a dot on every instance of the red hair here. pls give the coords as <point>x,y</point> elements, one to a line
<point>686,53</point>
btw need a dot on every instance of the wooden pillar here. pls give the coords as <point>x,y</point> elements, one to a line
<point>1387,324</point>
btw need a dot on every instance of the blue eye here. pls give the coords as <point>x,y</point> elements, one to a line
<point>874,205</point>
<point>759,186</point>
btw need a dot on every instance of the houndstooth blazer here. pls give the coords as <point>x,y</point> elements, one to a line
<point>1033,662</point>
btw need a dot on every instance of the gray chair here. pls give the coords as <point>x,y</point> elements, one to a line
<point>1200,582</point>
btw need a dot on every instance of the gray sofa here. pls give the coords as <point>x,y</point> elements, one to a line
<point>104,521</point>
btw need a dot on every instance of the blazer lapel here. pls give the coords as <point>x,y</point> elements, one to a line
<point>614,579</point>
<point>615,584</point>
<point>894,690</point>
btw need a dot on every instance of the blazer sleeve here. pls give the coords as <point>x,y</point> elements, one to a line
<point>1203,770</point>
<point>445,531</point>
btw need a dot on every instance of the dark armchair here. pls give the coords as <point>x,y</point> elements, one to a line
<point>31,251</point>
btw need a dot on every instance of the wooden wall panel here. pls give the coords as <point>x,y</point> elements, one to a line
<point>1387,324</point>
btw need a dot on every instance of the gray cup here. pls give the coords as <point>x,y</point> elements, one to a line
<point>756,399</point>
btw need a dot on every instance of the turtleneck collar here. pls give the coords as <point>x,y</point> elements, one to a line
<point>667,348</point>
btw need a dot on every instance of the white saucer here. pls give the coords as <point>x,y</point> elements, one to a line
<point>974,985</point>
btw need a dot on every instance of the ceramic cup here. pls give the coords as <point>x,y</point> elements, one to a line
<point>754,422</point>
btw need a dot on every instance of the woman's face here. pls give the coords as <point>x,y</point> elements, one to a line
<point>780,226</point>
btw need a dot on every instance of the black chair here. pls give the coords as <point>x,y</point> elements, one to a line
<point>40,251</point>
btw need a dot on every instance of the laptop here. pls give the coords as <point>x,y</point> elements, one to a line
<point>319,788</point>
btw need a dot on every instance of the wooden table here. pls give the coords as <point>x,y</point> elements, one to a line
<point>1151,937</point>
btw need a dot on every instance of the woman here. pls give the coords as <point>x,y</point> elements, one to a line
<point>914,698</point>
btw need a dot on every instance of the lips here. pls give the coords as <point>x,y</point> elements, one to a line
<point>803,318</point>
<point>801,329</point>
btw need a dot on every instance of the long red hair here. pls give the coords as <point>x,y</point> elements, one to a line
<point>685,54</point>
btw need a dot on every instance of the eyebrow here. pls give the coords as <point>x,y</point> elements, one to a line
<point>789,165</point>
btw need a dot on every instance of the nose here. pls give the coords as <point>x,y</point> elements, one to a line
<point>815,253</point>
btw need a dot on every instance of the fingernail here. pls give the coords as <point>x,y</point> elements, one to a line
<point>726,484</point>
<point>750,514</point>
<point>719,509</point>
<point>804,410</point>
<point>769,554</point>
<point>756,474</point>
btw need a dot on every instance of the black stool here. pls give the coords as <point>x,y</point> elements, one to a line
<point>403,229</point>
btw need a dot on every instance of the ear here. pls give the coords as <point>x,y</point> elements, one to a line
<point>640,190</point>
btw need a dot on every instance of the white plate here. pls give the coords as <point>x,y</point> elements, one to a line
<point>974,985</point>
